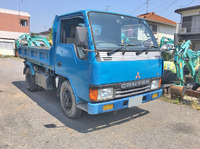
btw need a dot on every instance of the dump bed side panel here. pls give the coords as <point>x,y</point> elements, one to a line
<point>37,55</point>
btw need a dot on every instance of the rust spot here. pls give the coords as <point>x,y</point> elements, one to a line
<point>177,91</point>
<point>192,93</point>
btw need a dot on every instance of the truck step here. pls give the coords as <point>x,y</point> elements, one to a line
<point>82,107</point>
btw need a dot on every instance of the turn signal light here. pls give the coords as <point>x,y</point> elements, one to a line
<point>93,94</point>
<point>160,83</point>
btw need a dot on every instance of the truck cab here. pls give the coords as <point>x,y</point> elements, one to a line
<point>101,62</point>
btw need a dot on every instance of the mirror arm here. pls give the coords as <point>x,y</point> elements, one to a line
<point>88,50</point>
<point>97,53</point>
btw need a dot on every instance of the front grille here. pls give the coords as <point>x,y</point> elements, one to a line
<point>107,58</point>
<point>119,93</point>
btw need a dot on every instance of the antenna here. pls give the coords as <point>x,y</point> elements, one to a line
<point>20,1</point>
<point>107,7</point>
<point>147,7</point>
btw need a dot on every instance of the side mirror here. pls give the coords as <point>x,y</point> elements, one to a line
<point>81,37</point>
<point>175,40</point>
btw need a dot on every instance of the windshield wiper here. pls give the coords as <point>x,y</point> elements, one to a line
<point>145,50</point>
<point>121,46</point>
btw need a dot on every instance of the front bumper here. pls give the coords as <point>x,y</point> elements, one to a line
<point>96,108</point>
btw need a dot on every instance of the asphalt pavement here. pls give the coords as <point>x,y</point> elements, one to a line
<point>35,120</point>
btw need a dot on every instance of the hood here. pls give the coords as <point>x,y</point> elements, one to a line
<point>109,72</point>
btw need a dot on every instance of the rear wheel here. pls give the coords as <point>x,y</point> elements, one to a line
<point>30,81</point>
<point>68,101</point>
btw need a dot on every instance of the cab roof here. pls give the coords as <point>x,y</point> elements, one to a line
<point>91,10</point>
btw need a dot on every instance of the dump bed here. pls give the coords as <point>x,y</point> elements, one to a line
<point>38,55</point>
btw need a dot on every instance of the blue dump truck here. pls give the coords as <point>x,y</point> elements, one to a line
<point>99,62</point>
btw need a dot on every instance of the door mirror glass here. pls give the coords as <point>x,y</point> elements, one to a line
<point>81,37</point>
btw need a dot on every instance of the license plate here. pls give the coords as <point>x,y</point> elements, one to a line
<point>155,95</point>
<point>108,107</point>
<point>135,101</point>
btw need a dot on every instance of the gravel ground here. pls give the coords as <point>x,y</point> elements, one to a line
<point>35,120</point>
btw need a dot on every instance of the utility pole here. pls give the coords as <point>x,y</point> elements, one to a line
<point>147,7</point>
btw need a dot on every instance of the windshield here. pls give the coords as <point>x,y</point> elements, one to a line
<point>111,31</point>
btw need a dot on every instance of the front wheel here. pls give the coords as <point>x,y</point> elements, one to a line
<point>68,101</point>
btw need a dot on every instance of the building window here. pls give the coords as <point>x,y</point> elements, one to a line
<point>23,22</point>
<point>187,23</point>
<point>153,28</point>
<point>195,24</point>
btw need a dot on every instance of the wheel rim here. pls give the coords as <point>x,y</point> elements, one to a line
<point>67,100</point>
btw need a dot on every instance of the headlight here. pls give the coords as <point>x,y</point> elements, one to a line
<point>155,84</point>
<point>101,94</point>
<point>106,93</point>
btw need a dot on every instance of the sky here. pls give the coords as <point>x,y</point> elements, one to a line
<point>43,11</point>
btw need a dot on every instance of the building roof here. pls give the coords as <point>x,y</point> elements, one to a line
<point>14,12</point>
<point>154,17</point>
<point>187,8</point>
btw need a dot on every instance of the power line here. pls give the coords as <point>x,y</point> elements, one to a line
<point>189,3</point>
<point>162,6</point>
<point>169,6</point>
<point>138,8</point>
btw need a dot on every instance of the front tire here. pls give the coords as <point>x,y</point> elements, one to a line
<point>30,81</point>
<point>68,101</point>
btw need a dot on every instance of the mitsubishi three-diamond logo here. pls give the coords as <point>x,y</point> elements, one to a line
<point>138,75</point>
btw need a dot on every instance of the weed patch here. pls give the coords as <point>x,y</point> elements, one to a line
<point>188,101</point>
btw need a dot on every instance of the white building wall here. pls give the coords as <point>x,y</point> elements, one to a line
<point>6,40</point>
<point>9,35</point>
<point>165,30</point>
<point>7,47</point>
<point>190,12</point>
<point>14,12</point>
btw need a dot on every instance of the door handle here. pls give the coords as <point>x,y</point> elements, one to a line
<point>59,63</point>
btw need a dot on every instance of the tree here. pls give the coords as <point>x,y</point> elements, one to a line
<point>50,33</point>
